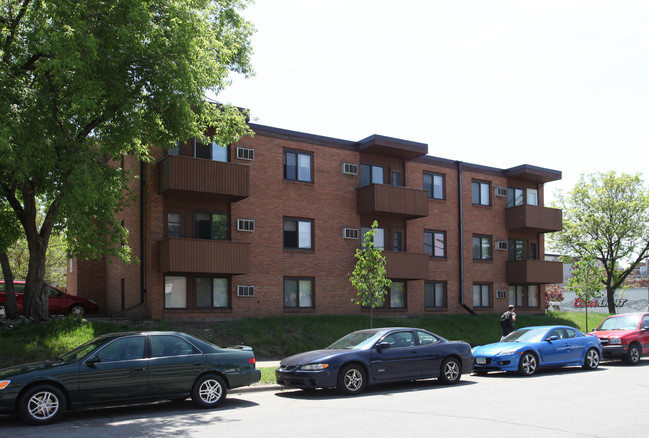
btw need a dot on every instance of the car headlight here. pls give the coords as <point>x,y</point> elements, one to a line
<point>4,383</point>
<point>616,341</point>
<point>508,352</point>
<point>314,367</point>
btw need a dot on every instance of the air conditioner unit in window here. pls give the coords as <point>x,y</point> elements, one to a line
<point>501,294</point>
<point>245,225</point>
<point>350,169</point>
<point>501,245</point>
<point>245,153</point>
<point>245,291</point>
<point>350,233</point>
<point>501,191</point>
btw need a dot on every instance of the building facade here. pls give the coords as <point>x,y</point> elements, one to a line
<point>270,225</point>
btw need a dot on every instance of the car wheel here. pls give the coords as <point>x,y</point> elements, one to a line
<point>209,391</point>
<point>632,356</point>
<point>77,310</point>
<point>351,379</point>
<point>592,359</point>
<point>42,404</point>
<point>2,310</point>
<point>451,371</point>
<point>527,364</point>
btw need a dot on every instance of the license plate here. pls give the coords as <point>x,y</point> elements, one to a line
<point>481,360</point>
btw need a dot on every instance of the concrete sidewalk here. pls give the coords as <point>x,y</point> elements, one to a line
<point>267,364</point>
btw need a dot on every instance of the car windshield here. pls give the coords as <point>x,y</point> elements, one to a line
<point>82,350</point>
<point>525,335</point>
<point>628,322</point>
<point>355,341</point>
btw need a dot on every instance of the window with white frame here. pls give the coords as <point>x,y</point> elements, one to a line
<point>297,166</point>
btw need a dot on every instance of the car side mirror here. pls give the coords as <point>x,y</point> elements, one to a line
<point>383,346</point>
<point>93,360</point>
<point>552,338</point>
<point>645,328</point>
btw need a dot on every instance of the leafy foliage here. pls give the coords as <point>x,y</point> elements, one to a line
<point>606,215</point>
<point>587,278</point>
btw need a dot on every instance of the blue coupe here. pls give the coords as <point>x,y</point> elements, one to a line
<point>527,349</point>
<point>377,356</point>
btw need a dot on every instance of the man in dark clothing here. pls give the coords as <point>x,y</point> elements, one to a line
<point>507,320</point>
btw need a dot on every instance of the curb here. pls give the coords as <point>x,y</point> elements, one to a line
<point>258,387</point>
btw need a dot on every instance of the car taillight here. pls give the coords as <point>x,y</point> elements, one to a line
<point>251,360</point>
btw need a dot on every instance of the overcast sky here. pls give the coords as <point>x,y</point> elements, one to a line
<point>558,84</point>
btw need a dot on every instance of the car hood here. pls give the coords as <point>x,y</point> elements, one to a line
<point>28,368</point>
<point>314,356</point>
<point>498,347</point>
<point>607,334</point>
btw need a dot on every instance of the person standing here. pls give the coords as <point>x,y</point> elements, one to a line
<point>507,320</point>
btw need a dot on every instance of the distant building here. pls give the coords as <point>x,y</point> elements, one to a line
<point>269,226</point>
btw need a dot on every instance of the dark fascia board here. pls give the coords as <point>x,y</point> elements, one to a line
<point>394,147</point>
<point>533,173</point>
<point>302,137</point>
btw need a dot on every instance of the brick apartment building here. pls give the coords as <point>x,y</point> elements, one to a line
<point>270,225</point>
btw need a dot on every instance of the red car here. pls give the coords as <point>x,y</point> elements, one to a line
<point>625,337</point>
<point>59,302</point>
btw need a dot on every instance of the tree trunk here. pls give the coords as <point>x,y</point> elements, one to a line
<point>10,305</point>
<point>610,292</point>
<point>35,304</point>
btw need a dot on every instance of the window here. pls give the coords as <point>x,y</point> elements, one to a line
<point>212,293</point>
<point>400,340</point>
<point>533,253</point>
<point>175,292</point>
<point>298,293</point>
<point>516,250</point>
<point>524,295</point>
<point>396,178</point>
<point>426,338</point>
<point>481,248</point>
<point>169,345</point>
<point>514,197</point>
<point>371,174</point>
<point>173,225</point>
<point>297,233</point>
<point>435,243</point>
<point>397,241</point>
<point>211,226</point>
<point>435,294</point>
<point>210,151</point>
<point>397,298</point>
<point>127,348</point>
<point>379,236</point>
<point>480,193</point>
<point>481,295</point>
<point>434,184</point>
<point>297,166</point>
<point>532,197</point>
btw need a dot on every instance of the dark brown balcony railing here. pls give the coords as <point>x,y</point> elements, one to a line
<point>533,218</point>
<point>187,174</point>
<point>406,265</point>
<point>534,272</point>
<point>393,200</point>
<point>204,256</point>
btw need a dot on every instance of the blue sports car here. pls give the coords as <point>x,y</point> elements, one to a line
<point>379,355</point>
<point>527,349</point>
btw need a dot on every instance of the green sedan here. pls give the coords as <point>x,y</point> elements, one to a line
<point>121,368</point>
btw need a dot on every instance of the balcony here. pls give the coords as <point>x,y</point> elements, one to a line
<point>180,174</point>
<point>392,200</point>
<point>534,272</point>
<point>204,256</point>
<point>533,218</point>
<point>406,265</point>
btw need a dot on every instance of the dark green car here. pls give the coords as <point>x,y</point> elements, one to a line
<point>121,368</point>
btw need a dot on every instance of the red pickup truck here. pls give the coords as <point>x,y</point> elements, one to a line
<point>59,302</point>
<point>625,337</point>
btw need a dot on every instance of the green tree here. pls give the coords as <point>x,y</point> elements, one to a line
<point>85,83</point>
<point>608,214</point>
<point>587,277</point>
<point>368,277</point>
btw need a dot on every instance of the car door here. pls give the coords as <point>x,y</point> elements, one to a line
<point>58,302</point>
<point>644,336</point>
<point>558,350</point>
<point>577,345</point>
<point>398,360</point>
<point>116,372</point>
<point>174,364</point>
<point>431,353</point>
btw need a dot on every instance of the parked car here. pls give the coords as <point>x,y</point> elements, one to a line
<point>380,355</point>
<point>59,303</point>
<point>527,349</point>
<point>122,368</point>
<point>625,337</point>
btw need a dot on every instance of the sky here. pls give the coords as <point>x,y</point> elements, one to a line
<point>559,84</point>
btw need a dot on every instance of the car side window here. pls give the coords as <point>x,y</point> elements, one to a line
<point>129,348</point>
<point>166,345</point>
<point>556,332</point>
<point>426,338</point>
<point>400,340</point>
<point>645,322</point>
<point>570,333</point>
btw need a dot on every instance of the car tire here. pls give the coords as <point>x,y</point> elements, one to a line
<point>209,391</point>
<point>41,404</point>
<point>351,379</point>
<point>451,371</point>
<point>633,355</point>
<point>3,313</point>
<point>592,359</point>
<point>527,364</point>
<point>77,310</point>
